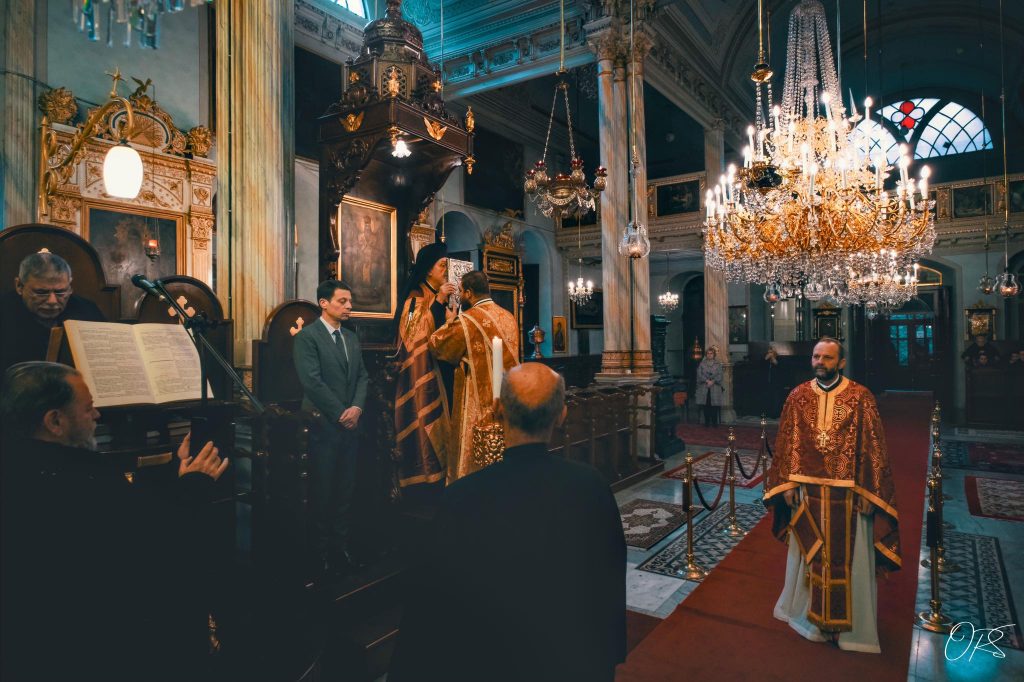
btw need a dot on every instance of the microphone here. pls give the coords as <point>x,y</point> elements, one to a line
<point>141,282</point>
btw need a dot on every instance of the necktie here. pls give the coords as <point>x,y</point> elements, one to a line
<point>339,338</point>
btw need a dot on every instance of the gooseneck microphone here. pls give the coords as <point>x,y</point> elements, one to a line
<point>141,282</point>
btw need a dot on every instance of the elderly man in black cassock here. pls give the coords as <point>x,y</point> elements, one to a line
<point>100,580</point>
<point>42,299</point>
<point>523,575</point>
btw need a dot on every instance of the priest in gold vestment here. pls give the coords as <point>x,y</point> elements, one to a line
<point>833,498</point>
<point>421,402</point>
<point>466,342</point>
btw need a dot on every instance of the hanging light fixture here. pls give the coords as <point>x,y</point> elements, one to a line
<point>668,300</point>
<point>1006,282</point>
<point>580,292</point>
<point>566,194</point>
<point>122,165</point>
<point>139,16</point>
<point>986,284</point>
<point>634,243</point>
<point>809,205</point>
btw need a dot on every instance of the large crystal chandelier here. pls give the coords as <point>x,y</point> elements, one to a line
<point>97,18</point>
<point>882,283</point>
<point>565,194</point>
<point>810,206</point>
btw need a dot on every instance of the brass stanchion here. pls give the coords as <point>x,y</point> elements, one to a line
<point>934,620</point>
<point>691,570</point>
<point>944,565</point>
<point>733,528</point>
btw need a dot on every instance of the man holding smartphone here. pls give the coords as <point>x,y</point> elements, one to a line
<point>329,362</point>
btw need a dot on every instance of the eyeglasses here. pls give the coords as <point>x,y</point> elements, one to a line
<point>44,294</point>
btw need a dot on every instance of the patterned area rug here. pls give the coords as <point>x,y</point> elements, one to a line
<point>996,498</point>
<point>709,467</point>
<point>710,543</point>
<point>646,522</point>
<point>999,457</point>
<point>979,592</point>
<point>747,437</point>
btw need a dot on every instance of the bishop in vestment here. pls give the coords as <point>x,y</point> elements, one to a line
<point>833,498</point>
<point>421,403</point>
<point>466,342</point>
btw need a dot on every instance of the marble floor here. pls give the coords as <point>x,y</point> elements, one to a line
<point>658,595</point>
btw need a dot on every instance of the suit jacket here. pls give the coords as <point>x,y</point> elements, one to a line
<point>331,384</point>
<point>484,602</point>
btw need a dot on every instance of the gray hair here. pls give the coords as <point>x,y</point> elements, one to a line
<point>43,264</point>
<point>29,391</point>
<point>533,420</point>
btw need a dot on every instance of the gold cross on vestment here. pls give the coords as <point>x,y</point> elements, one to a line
<point>823,439</point>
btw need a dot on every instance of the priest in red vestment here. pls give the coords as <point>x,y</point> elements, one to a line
<point>833,498</point>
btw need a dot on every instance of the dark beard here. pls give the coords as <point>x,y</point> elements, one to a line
<point>824,376</point>
<point>464,305</point>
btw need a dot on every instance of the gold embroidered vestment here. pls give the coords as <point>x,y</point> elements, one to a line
<point>831,445</point>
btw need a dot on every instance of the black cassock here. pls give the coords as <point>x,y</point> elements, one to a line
<point>23,338</point>
<point>522,577</point>
<point>100,580</point>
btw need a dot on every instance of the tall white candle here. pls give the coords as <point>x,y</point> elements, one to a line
<point>497,367</point>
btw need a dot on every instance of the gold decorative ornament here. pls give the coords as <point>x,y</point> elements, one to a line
<point>435,130</point>
<point>469,161</point>
<point>488,441</point>
<point>58,105</point>
<point>200,140</point>
<point>352,122</point>
<point>54,172</point>
<point>470,120</point>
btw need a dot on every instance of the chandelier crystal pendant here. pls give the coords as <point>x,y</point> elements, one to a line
<point>565,194</point>
<point>809,210</point>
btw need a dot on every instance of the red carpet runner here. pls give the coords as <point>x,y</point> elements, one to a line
<point>725,629</point>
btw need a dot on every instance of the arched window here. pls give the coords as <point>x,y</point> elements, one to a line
<point>930,126</point>
<point>354,6</point>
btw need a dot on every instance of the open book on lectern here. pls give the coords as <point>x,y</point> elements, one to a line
<point>131,364</point>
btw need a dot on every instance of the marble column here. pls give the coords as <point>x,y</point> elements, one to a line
<point>256,163</point>
<point>643,364</point>
<point>611,107</point>
<point>24,36</point>
<point>716,290</point>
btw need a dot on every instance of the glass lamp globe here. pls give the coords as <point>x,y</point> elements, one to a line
<point>400,149</point>
<point>122,172</point>
<point>634,243</point>
<point>871,310</point>
<point>1007,285</point>
<point>772,294</point>
<point>986,284</point>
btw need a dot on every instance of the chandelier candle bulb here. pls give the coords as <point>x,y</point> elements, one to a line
<point>750,137</point>
<point>776,110</point>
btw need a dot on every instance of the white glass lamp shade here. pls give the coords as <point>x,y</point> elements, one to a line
<point>122,172</point>
<point>401,149</point>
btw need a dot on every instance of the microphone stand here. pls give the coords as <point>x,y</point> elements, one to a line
<point>198,324</point>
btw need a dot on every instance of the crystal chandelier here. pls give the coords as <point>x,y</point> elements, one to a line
<point>810,205</point>
<point>580,293</point>
<point>883,284</point>
<point>668,301</point>
<point>140,16</point>
<point>566,194</point>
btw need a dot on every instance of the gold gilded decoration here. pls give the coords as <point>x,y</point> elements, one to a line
<point>469,161</point>
<point>352,121</point>
<point>58,105</point>
<point>64,209</point>
<point>470,120</point>
<point>298,326</point>
<point>502,266</point>
<point>202,230</point>
<point>436,130</point>
<point>353,77</point>
<point>200,139</point>
<point>438,85</point>
<point>393,84</point>
<point>503,237</point>
<point>823,439</point>
<point>488,441</point>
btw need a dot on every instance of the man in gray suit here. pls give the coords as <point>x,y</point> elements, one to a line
<point>329,362</point>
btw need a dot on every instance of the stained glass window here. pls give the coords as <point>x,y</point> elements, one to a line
<point>906,114</point>
<point>954,129</point>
